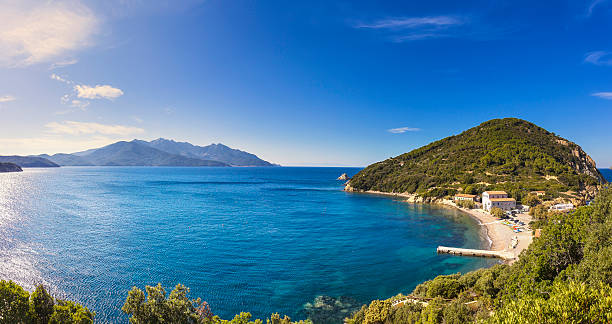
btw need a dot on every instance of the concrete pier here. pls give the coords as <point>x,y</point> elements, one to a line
<point>504,255</point>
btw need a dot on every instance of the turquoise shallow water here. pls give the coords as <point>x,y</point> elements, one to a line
<point>244,239</point>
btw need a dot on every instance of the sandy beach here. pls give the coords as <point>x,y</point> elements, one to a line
<point>500,235</point>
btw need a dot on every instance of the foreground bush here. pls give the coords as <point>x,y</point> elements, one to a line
<point>18,306</point>
<point>156,307</point>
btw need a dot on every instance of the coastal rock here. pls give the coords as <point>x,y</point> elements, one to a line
<point>331,310</point>
<point>9,167</point>
<point>343,176</point>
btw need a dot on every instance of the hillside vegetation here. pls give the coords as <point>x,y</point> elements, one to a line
<point>504,154</point>
<point>565,276</point>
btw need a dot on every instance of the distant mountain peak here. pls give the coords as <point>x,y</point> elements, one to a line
<point>161,151</point>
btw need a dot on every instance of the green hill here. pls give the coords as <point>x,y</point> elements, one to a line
<point>506,154</point>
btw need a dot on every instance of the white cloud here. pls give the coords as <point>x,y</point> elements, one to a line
<point>413,22</point>
<point>80,128</point>
<point>603,95</point>
<point>97,92</point>
<point>417,28</point>
<point>79,104</point>
<point>403,130</point>
<point>60,79</point>
<point>63,63</point>
<point>41,31</point>
<point>51,144</point>
<point>7,98</point>
<point>598,58</point>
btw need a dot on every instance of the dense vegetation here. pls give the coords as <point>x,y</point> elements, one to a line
<point>502,154</point>
<point>18,306</point>
<point>156,307</point>
<point>565,276</point>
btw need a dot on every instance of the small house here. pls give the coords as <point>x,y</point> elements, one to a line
<point>459,197</point>
<point>538,193</point>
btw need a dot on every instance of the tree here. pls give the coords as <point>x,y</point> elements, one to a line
<point>569,302</point>
<point>14,303</point>
<point>156,308</point>
<point>377,312</point>
<point>532,200</point>
<point>41,305</point>
<point>469,204</point>
<point>539,212</point>
<point>497,212</point>
<point>69,312</point>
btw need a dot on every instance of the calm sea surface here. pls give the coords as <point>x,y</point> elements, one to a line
<point>244,239</point>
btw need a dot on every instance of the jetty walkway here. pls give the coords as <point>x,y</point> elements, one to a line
<point>504,255</point>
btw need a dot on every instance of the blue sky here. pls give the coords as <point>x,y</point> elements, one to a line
<point>301,83</point>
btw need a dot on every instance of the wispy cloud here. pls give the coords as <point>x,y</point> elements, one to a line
<point>599,58</point>
<point>417,28</point>
<point>603,95</point>
<point>7,98</point>
<point>79,104</point>
<point>52,143</point>
<point>60,79</point>
<point>592,6</point>
<point>413,22</point>
<point>63,63</point>
<point>32,32</point>
<point>401,130</point>
<point>84,128</point>
<point>98,92</point>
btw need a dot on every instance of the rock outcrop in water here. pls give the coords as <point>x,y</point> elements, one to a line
<point>9,167</point>
<point>330,310</point>
<point>343,176</point>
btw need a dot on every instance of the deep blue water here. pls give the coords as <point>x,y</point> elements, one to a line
<point>607,173</point>
<point>244,239</point>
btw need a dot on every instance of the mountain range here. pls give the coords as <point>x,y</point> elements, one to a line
<point>159,152</point>
<point>28,161</point>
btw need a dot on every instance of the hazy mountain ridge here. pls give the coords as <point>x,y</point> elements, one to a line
<point>29,161</point>
<point>160,152</point>
<point>216,152</point>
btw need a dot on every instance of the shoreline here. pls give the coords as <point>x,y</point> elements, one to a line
<point>498,235</point>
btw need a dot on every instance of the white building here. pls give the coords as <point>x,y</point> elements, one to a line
<point>497,199</point>
<point>465,197</point>
<point>562,207</point>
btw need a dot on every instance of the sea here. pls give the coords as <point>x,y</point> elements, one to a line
<point>261,240</point>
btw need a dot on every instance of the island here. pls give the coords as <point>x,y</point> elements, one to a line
<point>9,167</point>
